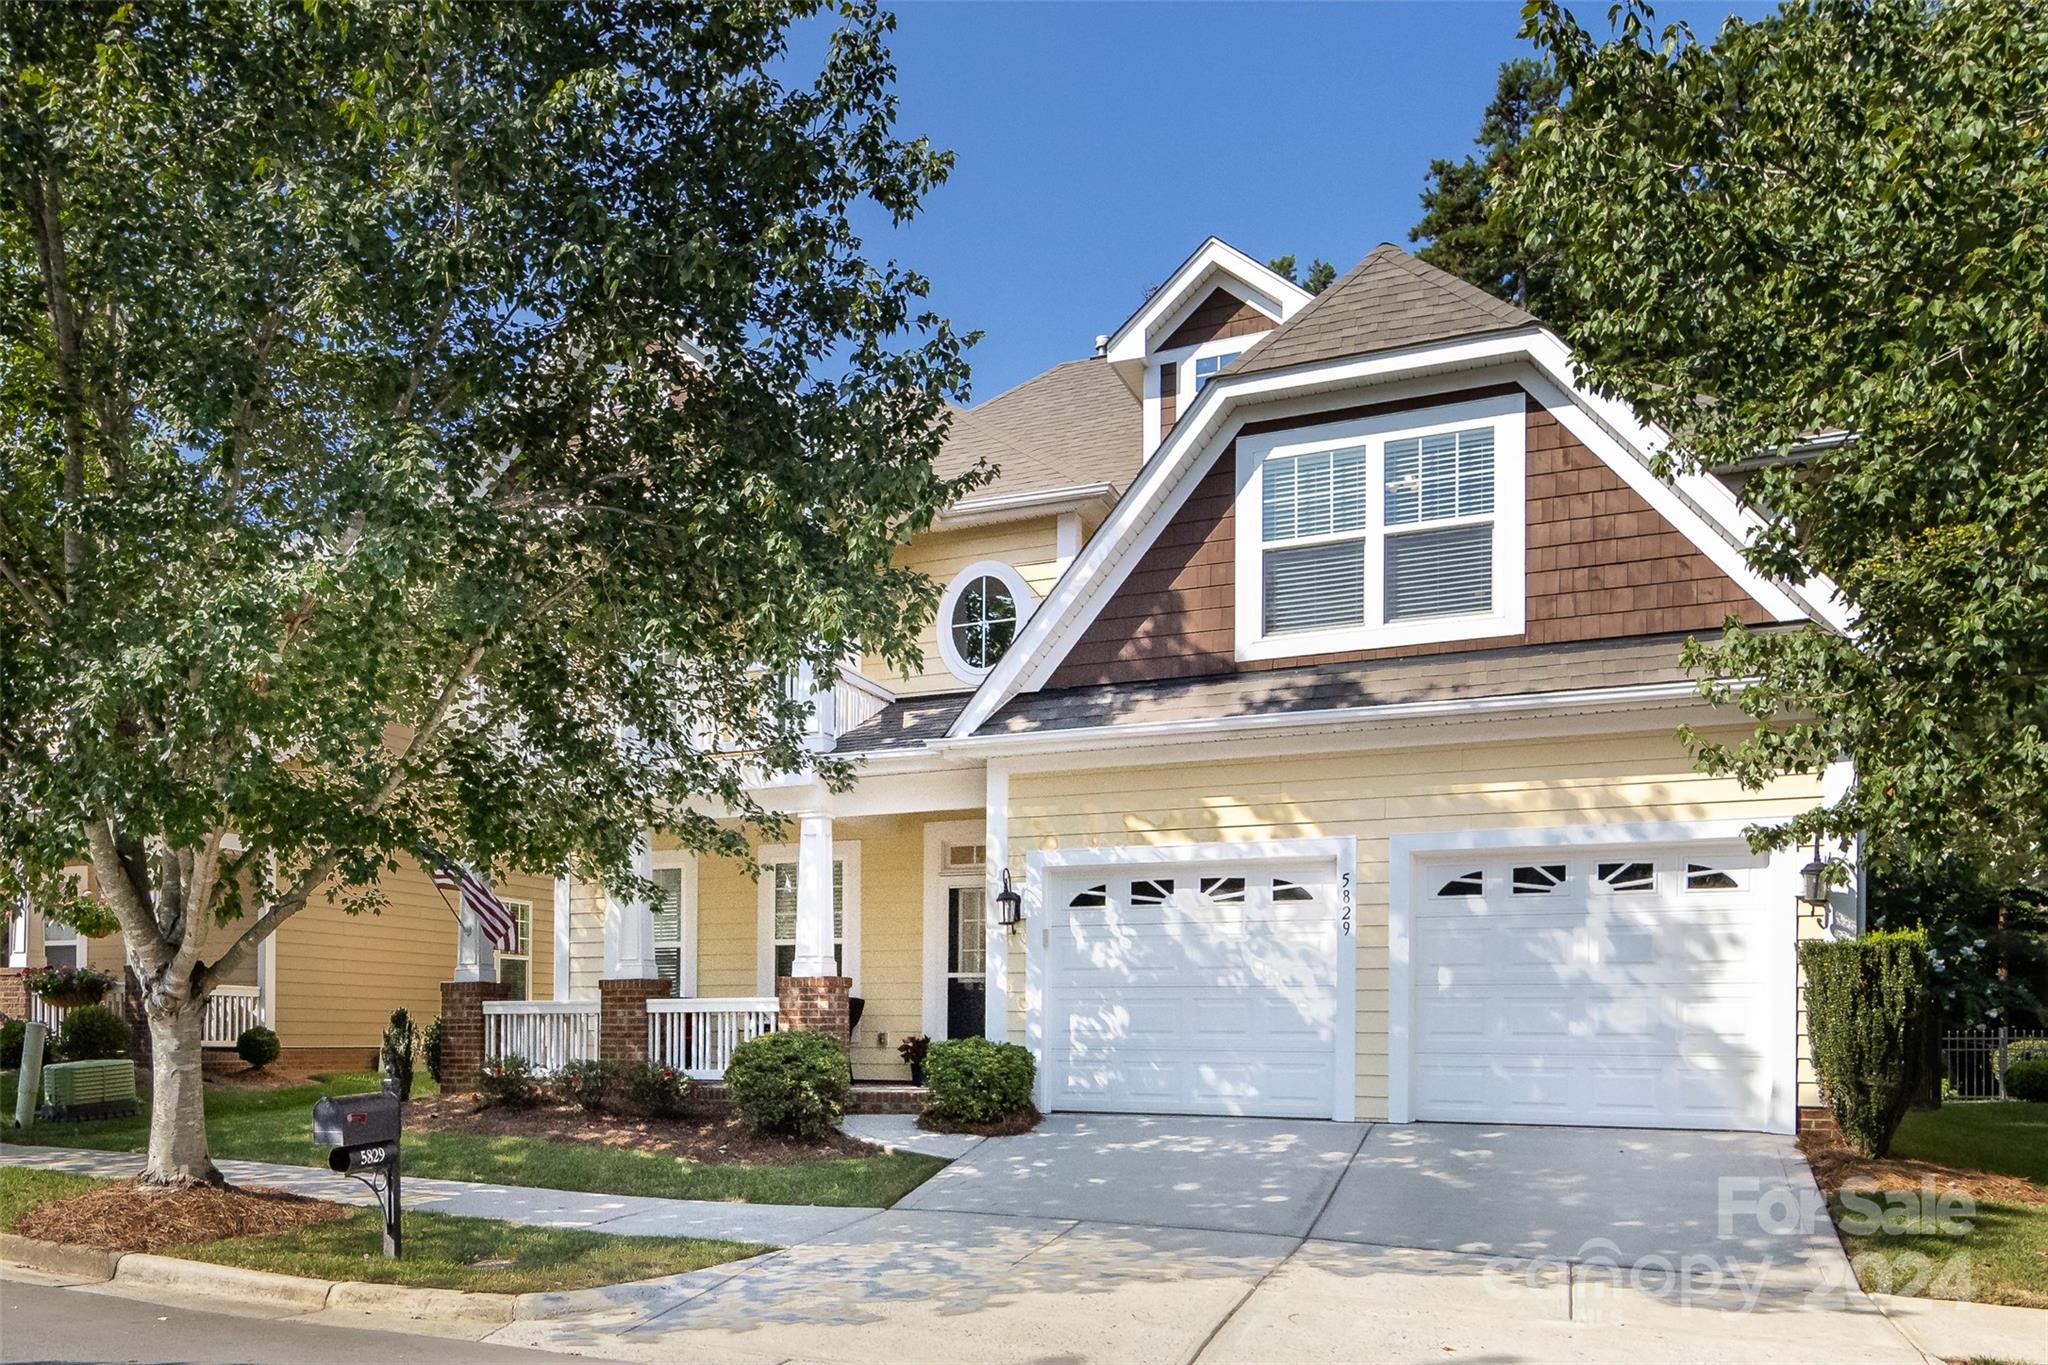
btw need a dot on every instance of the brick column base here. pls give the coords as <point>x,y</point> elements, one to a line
<point>14,992</point>
<point>815,1004</point>
<point>462,1030</point>
<point>622,1017</point>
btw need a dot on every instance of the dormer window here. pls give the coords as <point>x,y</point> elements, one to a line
<point>1209,366</point>
<point>1382,532</point>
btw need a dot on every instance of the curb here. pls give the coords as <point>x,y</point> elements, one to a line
<point>1951,1329</point>
<point>158,1273</point>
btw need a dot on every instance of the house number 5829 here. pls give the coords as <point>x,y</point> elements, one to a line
<point>1344,902</point>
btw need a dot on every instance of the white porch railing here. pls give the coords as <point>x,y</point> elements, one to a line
<point>230,1011</point>
<point>849,701</point>
<point>697,1035</point>
<point>549,1034</point>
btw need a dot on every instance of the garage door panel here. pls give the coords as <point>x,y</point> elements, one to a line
<point>1210,997</point>
<point>1591,1004</point>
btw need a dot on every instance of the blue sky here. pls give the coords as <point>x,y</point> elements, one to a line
<point>1099,143</point>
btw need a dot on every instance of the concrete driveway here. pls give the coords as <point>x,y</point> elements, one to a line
<point>1136,1239</point>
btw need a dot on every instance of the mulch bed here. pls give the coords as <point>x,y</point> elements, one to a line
<point>1837,1167</point>
<point>133,1217</point>
<point>709,1138</point>
<point>1015,1124</point>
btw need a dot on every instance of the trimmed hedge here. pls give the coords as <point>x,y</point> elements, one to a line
<point>2027,1080</point>
<point>975,1081</point>
<point>257,1046</point>
<point>1869,1007</point>
<point>92,1033</point>
<point>795,1084</point>
<point>13,1034</point>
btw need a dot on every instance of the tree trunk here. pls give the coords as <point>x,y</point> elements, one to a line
<point>177,1108</point>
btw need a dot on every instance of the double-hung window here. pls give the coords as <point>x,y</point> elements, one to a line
<point>1395,530</point>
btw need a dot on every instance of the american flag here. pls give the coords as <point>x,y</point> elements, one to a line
<point>491,915</point>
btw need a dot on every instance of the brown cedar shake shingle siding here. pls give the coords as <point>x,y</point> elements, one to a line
<point>1601,564</point>
<point>1169,398</point>
<point>1222,314</point>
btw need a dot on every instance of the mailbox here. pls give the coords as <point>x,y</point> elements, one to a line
<point>361,1132</point>
<point>355,1120</point>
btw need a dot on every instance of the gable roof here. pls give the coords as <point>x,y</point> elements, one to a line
<point>1075,426</point>
<point>1214,261</point>
<point>1386,302</point>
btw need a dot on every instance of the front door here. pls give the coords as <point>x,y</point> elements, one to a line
<point>966,961</point>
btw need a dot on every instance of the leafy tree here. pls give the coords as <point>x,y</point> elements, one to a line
<point>432,424</point>
<point>1988,945</point>
<point>1835,220</point>
<point>1459,231</point>
<point>1321,274</point>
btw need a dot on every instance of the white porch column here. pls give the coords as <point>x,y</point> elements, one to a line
<point>629,926</point>
<point>474,960</point>
<point>561,928</point>
<point>17,935</point>
<point>814,898</point>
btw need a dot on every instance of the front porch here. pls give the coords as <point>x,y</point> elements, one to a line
<point>874,927</point>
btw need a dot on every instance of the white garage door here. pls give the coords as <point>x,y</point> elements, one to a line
<point>1192,990</point>
<point>1622,988</point>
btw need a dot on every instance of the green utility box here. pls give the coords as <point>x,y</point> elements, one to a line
<point>88,1090</point>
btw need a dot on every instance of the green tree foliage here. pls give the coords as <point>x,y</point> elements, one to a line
<point>1321,274</point>
<point>1835,220</point>
<point>1988,945</point>
<point>433,423</point>
<point>1459,232</point>
<point>1869,1011</point>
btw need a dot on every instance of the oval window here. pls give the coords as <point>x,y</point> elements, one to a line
<point>984,621</point>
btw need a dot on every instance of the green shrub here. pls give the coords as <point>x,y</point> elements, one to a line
<point>975,1081</point>
<point>401,1045</point>
<point>2027,1080</point>
<point>587,1084</point>
<point>258,1046</point>
<point>11,1034</point>
<point>790,1083</point>
<point>91,1033</point>
<point>510,1082</point>
<point>1868,1002</point>
<point>430,1049</point>
<point>2026,1050</point>
<point>658,1089</point>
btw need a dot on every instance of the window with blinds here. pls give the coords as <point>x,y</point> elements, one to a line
<point>785,915</point>
<point>1439,521</point>
<point>668,926</point>
<point>1331,559</point>
<point>1314,517</point>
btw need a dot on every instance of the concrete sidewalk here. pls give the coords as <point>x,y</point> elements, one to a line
<point>627,1215</point>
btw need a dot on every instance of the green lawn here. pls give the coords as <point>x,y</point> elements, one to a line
<point>1980,1135</point>
<point>276,1125</point>
<point>2003,1258</point>
<point>441,1251</point>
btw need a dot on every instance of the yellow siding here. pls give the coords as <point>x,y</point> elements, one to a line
<point>339,976</point>
<point>1609,779</point>
<point>1030,546</point>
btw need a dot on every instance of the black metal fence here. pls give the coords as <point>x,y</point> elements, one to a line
<point>1971,1060</point>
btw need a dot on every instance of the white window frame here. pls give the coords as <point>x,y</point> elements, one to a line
<point>1020,593</point>
<point>1508,615</point>
<point>684,862</point>
<point>845,852</point>
<point>515,903</point>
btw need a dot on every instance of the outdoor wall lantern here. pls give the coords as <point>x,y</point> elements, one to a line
<point>1813,881</point>
<point>1009,905</point>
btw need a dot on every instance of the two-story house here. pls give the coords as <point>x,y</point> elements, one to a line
<point>1310,675</point>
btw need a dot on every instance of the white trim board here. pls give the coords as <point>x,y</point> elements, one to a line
<point>1779,881</point>
<point>1339,853</point>
<point>937,880</point>
<point>1531,357</point>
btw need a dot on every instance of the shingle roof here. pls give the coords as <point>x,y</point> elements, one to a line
<point>1387,301</point>
<point>904,724</point>
<point>1508,672</point>
<point>1077,423</point>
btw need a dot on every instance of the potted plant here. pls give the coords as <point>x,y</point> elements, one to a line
<point>912,1050</point>
<point>66,987</point>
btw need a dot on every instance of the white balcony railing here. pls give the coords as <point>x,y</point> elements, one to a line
<point>230,1011</point>
<point>697,1035</point>
<point>849,701</point>
<point>549,1034</point>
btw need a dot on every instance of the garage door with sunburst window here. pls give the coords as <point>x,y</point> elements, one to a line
<point>1628,988</point>
<point>1193,990</point>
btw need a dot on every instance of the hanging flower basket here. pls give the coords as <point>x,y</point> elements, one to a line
<point>69,987</point>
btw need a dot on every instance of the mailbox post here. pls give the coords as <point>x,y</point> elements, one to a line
<point>361,1132</point>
